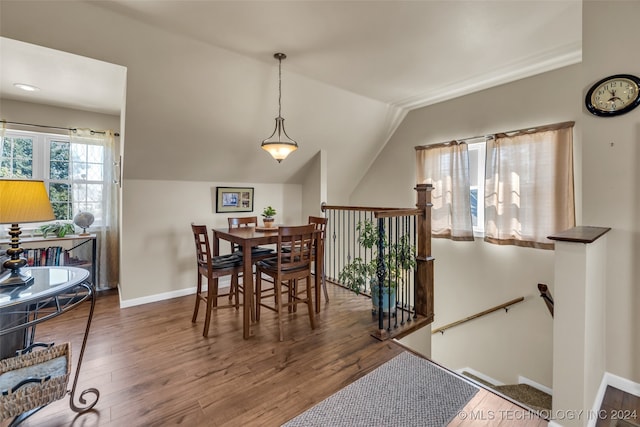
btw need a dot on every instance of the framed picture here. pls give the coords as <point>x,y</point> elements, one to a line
<point>234,199</point>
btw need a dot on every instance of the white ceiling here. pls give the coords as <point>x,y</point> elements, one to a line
<point>63,79</point>
<point>201,79</point>
<point>404,53</point>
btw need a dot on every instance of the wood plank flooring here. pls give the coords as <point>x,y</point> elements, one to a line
<point>153,367</point>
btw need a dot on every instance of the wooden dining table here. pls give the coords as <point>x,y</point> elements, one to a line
<point>247,238</point>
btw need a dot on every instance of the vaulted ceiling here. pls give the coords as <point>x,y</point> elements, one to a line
<point>202,80</point>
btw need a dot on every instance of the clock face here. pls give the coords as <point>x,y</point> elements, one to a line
<point>614,95</point>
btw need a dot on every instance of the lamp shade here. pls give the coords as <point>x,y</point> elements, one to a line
<point>279,145</point>
<point>24,201</point>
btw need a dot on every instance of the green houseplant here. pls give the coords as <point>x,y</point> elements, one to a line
<point>268,213</point>
<point>60,229</point>
<point>398,257</point>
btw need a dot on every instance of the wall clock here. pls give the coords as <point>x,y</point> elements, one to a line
<point>613,95</point>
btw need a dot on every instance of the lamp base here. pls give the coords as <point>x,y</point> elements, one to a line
<point>15,278</point>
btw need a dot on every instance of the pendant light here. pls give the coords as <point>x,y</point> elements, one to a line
<point>279,145</point>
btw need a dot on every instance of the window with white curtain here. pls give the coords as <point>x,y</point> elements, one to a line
<point>529,186</point>
<point>72,171</point>
<point>78,170</point>
<point>446,167</point>
<point>518,192</point>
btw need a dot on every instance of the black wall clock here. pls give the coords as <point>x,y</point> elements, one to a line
<point>613,95</point>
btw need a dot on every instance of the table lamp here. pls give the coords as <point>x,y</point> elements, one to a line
<point>21,201</point>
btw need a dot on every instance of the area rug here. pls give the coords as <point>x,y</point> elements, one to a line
<point>405,391</point>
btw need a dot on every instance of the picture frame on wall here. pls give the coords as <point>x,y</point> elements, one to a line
<point>234,199</point>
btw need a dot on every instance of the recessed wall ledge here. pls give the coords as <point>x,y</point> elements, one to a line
<point>580,234</point>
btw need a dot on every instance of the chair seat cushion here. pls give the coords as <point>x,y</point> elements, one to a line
<point>226,261</point>
<point>256,251</point>
<point>271,265</point>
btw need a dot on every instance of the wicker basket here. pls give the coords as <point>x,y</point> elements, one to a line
<point>34,394</point>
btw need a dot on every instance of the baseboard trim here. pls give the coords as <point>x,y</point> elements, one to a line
<point>609,379</point>
<point>222,284</point>
<point>480,375</point>
<point>544,388</point>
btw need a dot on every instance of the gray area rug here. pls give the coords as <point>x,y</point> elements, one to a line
<point>405,391</point>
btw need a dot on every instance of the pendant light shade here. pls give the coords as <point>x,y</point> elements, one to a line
<point>279,145</point>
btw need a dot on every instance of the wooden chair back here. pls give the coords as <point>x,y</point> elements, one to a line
<point>320,224</point>
<point>245,221</point>
<point>300,243</point>
<point>211,267</point>
<point>203,249</point>
<point>288,267</point>
<point>238,222</point>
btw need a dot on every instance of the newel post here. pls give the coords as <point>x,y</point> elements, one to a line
<point>424,260</point>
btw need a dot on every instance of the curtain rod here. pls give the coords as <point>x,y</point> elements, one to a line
<point>534,129</point>
<point>101,132</point>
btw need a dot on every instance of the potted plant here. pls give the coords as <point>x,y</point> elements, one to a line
<point>268,213</point>
<point>60,229</point>
<point>399,258</point>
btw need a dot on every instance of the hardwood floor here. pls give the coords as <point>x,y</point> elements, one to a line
<point>153,367</point>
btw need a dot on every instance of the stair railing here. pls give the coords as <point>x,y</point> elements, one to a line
<point>504,306</point>
<point>545,294</point>
<point>393,235</point>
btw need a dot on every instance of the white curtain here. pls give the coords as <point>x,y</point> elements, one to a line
<point>446,167</point>
<point>529,191</point>
<point>101,199</point>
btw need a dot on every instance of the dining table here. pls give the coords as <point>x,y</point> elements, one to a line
<point>247,238</point>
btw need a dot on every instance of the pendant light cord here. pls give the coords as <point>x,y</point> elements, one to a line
<point>279,86</point>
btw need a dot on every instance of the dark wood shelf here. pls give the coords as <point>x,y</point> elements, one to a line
<point>580,234</point>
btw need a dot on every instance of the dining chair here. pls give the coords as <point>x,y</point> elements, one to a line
<point>286,269</point>
<point>258,252</point>
<point>321,226</point>
<point>212,267</point>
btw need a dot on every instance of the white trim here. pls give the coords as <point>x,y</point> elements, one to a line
<point>609,379</point>
<point>554,423</point>
<point>480,375</point>
<point>154,298</point>
<point>167,295</point>
<point>544,388</point>
<point>550,60</point>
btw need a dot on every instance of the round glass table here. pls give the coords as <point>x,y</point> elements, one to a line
<point>54,291</point>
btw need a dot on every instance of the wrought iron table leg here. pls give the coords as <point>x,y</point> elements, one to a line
<point>94,391</point>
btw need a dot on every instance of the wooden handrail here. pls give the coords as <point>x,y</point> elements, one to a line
<point>482,313</point>
<point>397,212</point>
<point>325,207</point>
<point>546,296</point>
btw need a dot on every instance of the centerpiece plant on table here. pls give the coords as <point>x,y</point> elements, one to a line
<point>268,215</point>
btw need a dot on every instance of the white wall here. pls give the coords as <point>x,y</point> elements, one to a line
<point>26,112</point>
<point>158,254</point>
<point>612,177</point>
<point>203,110</point>
<point>314,186</point>
<point>579,326</point>
<point>473,276</point>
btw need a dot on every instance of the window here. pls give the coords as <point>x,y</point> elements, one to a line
<point>446,167</point>
<point>515,188</point>
<point>529,186</point>
<point>476,184</point>
<point>16,159</point>
<point>73,172</point>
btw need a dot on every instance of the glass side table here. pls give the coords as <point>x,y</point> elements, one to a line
<point>55,290</point>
